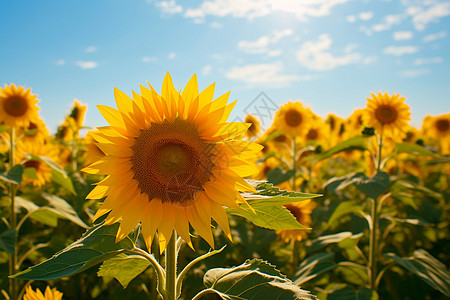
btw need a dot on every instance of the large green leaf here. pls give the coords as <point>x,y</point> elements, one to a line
<point>268,216</point>
<point>8,240</point>
<point>96,245</point>
<point>63,180</point>
<point>255,279</point>
<point>413,149</point>
<point>123,267</point>
<point>349,293</point>
<point>14,175</point>
<point>325,240</point>
<point>313,266</point>
<point>428,268</point>
<point>372,187</point>
<point>343,209</point>
<point>355,143</point>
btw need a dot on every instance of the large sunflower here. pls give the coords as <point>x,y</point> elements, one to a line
<point>171,161</point>
<point>387,114</point>
<point>17,106</point>
<point>293,119</point>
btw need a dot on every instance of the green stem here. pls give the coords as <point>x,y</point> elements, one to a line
<point>380,147</point>
<point>12,216</point>
<point>294,163</point>
<point>161,275</point>
<point>171,268</point>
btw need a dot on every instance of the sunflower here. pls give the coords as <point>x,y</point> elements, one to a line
<point>254,128</point>
<point>336,128</point>
<point>78,112</point>
<point>35,132</point>
<point>439,127</point>
<point>65,130</point>
<point>353,125</point>
<point>93,152</point>
<point>387,114</point>
<point>17,106</point>
<point>302,212</point>
<point>171,161</point>
<point>293,119</point>
<point>50,294</point>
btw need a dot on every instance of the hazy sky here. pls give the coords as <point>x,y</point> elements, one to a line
<point>330,54</point>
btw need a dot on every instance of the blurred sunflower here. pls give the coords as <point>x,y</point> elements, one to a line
<point>42,171</point>
<point>78,112</point>
<point>302,212</point>
<point>439,127</point>
<point>17,106</point>
<point>353,125</point>
<point>293,119</point>
<point>35,132</point>
<point>50,294</point>
<point>171,161</point>
<point>65,130</point>
<point>254,128</point>
<point>387,114</point>
<point>336,129</point>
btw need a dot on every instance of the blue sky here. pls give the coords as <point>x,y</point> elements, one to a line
<point>330,54</point>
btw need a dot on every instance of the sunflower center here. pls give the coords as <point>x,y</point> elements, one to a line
<point>297,212</point>
<point>171,161</point>
<point>35,164</point>
<point>386,114</point>
<point>293,118</point>
<point>442,125</point>
<point>313,134</point>
<point>15,106</point>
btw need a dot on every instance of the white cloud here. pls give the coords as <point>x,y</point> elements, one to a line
<point>414,72</point>
<point>251,9</point>
<point>366,15</point>
<point>403,35</point>
<point>423,16</point>
<point>434,36</point>
<point>87,64</point>
<point>149,59</point>
<point>387,23</point>
<point>90,49</point>
<point>351,18</point>
<point>172,55</point>
<point>313,55</point>
<point>169,7</point>
<point>261,45</point>
<point>426,61</point>
<point>60,62</point>
<point>400,50</point>
<point>276,52</point>
<point>268,75</point>
<point>350,47</point>
<point>206,70</point>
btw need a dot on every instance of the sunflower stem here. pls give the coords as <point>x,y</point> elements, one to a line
<point>294,163</point>
<point>13,221</point>
<point>171,268</point>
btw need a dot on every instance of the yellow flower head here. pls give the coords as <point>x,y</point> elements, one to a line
<point>171,161</point>
<point>17,106</point>
<point>438,127</point>
<point>353,125</point>
<point>65,131</point>
<point>50,294</point>
<point>293,119</point>
<point>254,128</point>
<point>387,114</point>
<point>35,132</point>
<point>78,112</point>
<point>302,212</point>
<point>93,152</point>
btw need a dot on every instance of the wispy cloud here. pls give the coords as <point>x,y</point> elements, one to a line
<point>421,16</point>
<point>387,23</point>
<point>251,9</point>
<point>400,50</point>
<point>403,35</point>
<point>149,59</point>
<point>90,49</point>
<point>366,15</point>
<point>269,75</point>
<point>414,72</point>
<point>261,45</point>
<point>87,64</point>
<point>314,56</point>
<point>427,61</point>
<point>60,62</point>
<point>434,36</point>
<point>172,55</point>
<point>169,7</point>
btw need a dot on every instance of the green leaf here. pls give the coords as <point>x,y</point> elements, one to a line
<point>428,268</point>
<point>441,160</point>
<point>8,240</point>
<point>123,267</point>
<point>348,293</point>
<point>95,246</point>
<point>30,173</point>
<point>325,240</point>
<point>14,175</point>
<point>276,176</point>
<point>63,209</point>
<point>355,143</point>
<point>343,209</point>
<point>3,128</point>
<point>268,216</point>
<point>64,181</point>
<point>313,266</point>
<point>372,187</point>
<point>413,149</point>
<point>255,279</point>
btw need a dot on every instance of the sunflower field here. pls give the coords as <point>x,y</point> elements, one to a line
<point>173,200</point>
